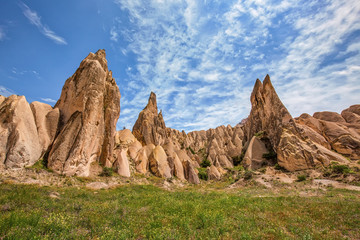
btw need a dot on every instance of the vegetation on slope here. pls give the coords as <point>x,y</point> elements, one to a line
<point>148,212</point>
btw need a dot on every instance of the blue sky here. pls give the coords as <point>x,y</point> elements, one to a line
<point>201,58</point>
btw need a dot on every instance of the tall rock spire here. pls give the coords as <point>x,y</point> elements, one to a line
<point>150,127</point>
<point>89,109</point>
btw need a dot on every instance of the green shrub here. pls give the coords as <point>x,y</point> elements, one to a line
<point>238,159</point>
<point>205,163</point>
<point>258,134</point>
<point>340,169</point>
<point>191,150</point>
<point>203,174</point>
<point>107,172</point>
<point>278,167</point>
<point>301,178</point>
<point>248,175</point>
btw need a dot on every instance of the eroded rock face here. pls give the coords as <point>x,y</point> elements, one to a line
<point>158,163</point>
<point>150,127</point>
<point>295,151</point>
<point>333,131</point>
<point>89,109</point>
<point>267,114</point>
<point>253,158</point>
<point>46,120</point>
<point>19,140</point>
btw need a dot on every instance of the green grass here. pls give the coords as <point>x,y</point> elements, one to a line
<point>148,212</point>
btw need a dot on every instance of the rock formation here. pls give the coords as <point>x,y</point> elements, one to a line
<point>150,127</point>
<point>26,131</point>
<point>294,148</point>
<point>334,132</point>
<point>78,136</point>
<point>89,109</point>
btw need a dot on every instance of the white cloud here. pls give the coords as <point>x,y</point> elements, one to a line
<point>35,19</point>
<point>114,35</point>
<point>49,100</point>
<point>6,91</point>
<point>202,58</point>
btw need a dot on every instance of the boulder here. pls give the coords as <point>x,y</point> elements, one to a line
<point>121,164</point>
<point>213,173</point>
<point>253,158</point>
<point>190,173</point>
<point>352,114</point>
<point>89,109</point>
<point>158,163</point>
<point>329,116</point>
<point>142,158</point>
<point>19,140</point>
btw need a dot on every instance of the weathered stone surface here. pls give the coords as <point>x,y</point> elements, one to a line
<point>158,163</point>
<point>352,114</point>
<point>329,116</point>
<point>269,117</point>
<point>267,114</point>
<point>213,173</point>
<point>46,120</point>
<point>253,158</point>
<point>89,108</point>
<point>121,164</point>
<point>191,173</point>
<point>150,127</point>
<point>19,142</point>
<point>296,153</point>
<point>338,135</point>
<point>173,160</point>
<point>142,158</point>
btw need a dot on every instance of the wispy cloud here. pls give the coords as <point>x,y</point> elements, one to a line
<point>202,57</point>
<point>49,100</point>
<point>35,19</point>
<point>6,91</point>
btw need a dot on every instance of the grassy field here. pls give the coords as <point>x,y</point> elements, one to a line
<point>148,212</point>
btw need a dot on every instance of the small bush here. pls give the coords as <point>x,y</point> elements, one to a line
<point>191,150</point>
<point>203,174</point>
<point>238,159</point>
<point>278,167</point>
<point>258,134</point>
<point>248,175</point>
<point>301,178</point>
<point>205,163</point>
<point>107,172</point>
<point>340,169</point>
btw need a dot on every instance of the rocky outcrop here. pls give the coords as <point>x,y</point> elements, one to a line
<point>270,118</point>
<point>333,131</point>
<point>150,127</point>
<point>89,109</point>
<point>158,163</point>
<point>254,155</point>
<point>19,139</point>
<point>46,120</point>
<point>268,114</point>
<point>352,114</point>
